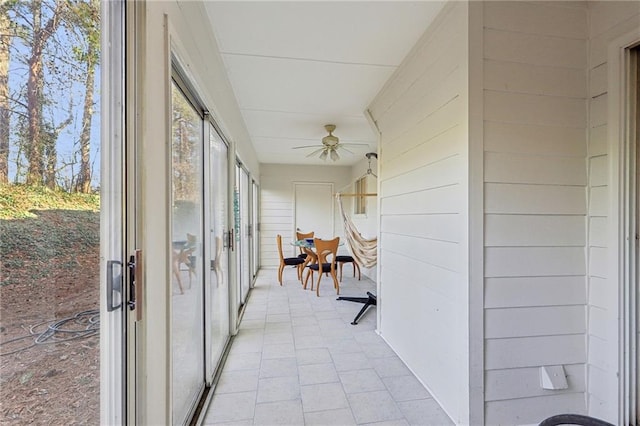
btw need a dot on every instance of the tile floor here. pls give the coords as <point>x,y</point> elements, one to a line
<point>297,360</point>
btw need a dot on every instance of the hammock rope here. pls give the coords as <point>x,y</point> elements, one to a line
<point>364,251</point>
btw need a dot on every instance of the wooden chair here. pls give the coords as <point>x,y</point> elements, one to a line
<point>287,261</point>
<point>341,260</point>
<point>303,236</point>
<point>326,250</point>
<point>185,256</point>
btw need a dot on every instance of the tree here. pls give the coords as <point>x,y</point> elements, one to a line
<point>5,43</point>
<point>40,35</point>
<point>87,19</point>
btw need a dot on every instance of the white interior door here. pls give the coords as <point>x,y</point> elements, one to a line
<point>314,209</point>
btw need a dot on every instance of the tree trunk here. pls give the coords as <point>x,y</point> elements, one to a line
<point>84,177</point>
<point>35,151</point>
<point>5,42</point>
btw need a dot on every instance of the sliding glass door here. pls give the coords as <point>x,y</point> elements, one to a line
<point>187,324</point>
<point>217,288</point>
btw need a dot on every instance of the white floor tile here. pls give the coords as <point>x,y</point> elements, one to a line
<point>313,356</point>
<point>278,367</point>
<point>279,413</point>
<point>341,417</point>
<point>279,350</point>
<point>405,388</point>
<point>390,366</point>
<point>231,407</point>
<point>424,412</point>
<point>237,381</point>
<point>361,381</point>
<point>378,406</point>
<point>351,361</point>
<point>326,396</point>
<point>278,389</point>
<point>317,373</point>
<point>243,361</point>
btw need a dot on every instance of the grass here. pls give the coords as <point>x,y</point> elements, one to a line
<point>42,230</point>
<point>18,201</point>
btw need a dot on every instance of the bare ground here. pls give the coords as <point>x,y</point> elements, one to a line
<point>49,371</point>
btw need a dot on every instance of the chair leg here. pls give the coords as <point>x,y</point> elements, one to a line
<point>356,266</point>
<point>280,273</point>
<point>370,300</point>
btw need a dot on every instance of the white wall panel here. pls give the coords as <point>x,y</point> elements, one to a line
<point>533,18</point>
<point>534,261</point>
<point>505,292</point>
<point>599,171</point>
<point>538,321</point>
<point>535,49</point>
<point>533,109</point>
<point>598,140</point>
<point>422,116</point>
<point>608,21</point>
<point>533,410</point>
<point>535,351</point>
<point>518,383</point>
<point>521,168</point>
<point>444,199</point>
<point>536,140</point>
<point>598,80</point>
<point>534,79</point>
<point>535,174</point>
<point>444,227</point>
<point>515,230</point>
<point>534,199</point>
<point>599,201</point>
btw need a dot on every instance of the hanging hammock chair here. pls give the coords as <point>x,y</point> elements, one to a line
<point>363,250</point>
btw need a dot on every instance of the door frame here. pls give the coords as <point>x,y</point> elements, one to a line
<point>622,218</point>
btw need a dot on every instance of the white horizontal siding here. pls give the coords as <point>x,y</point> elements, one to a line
<point>534,109</point>
<point>536,18</point>
<point>445,227</point>
<point>525,382</point>
<point>608,21</point>
<point>535,351</point>
<point>523,168</point>
<point>538,321</point>
<point>505,292</point>
<point>533,79</point>
<point>421,114</point>
<point>535,49</point>
<point>535,198</point>
<point>534,261</point>
<point>533,139</point>
<point>515,230</point>
<point>533,410</point>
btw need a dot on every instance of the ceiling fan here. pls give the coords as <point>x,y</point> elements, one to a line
<point>330,146</point>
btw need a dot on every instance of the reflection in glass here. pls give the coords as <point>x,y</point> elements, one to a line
<point>186,248</point>
<point>219,294</point>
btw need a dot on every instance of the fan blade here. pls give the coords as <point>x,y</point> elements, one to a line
<point>306,146</point>
<point>317,151</point>
<point>345,149</point>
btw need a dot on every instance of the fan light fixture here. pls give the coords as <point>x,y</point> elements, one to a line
<point>330,146</point>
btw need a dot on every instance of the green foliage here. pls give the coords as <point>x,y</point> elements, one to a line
<point>18,201</point>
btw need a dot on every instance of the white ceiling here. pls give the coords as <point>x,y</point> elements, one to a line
<point>297,65</point>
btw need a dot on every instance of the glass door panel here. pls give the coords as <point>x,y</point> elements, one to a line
<point>255,234</point>
<point>218,288</point>
<point>187,325</point>
<point>245,247</point>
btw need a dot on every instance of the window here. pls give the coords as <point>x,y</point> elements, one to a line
<point>360,205</point>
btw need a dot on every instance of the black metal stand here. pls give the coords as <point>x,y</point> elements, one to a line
<point>370,300</point>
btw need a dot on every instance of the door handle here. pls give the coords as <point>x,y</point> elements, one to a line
<point>114,285</point>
